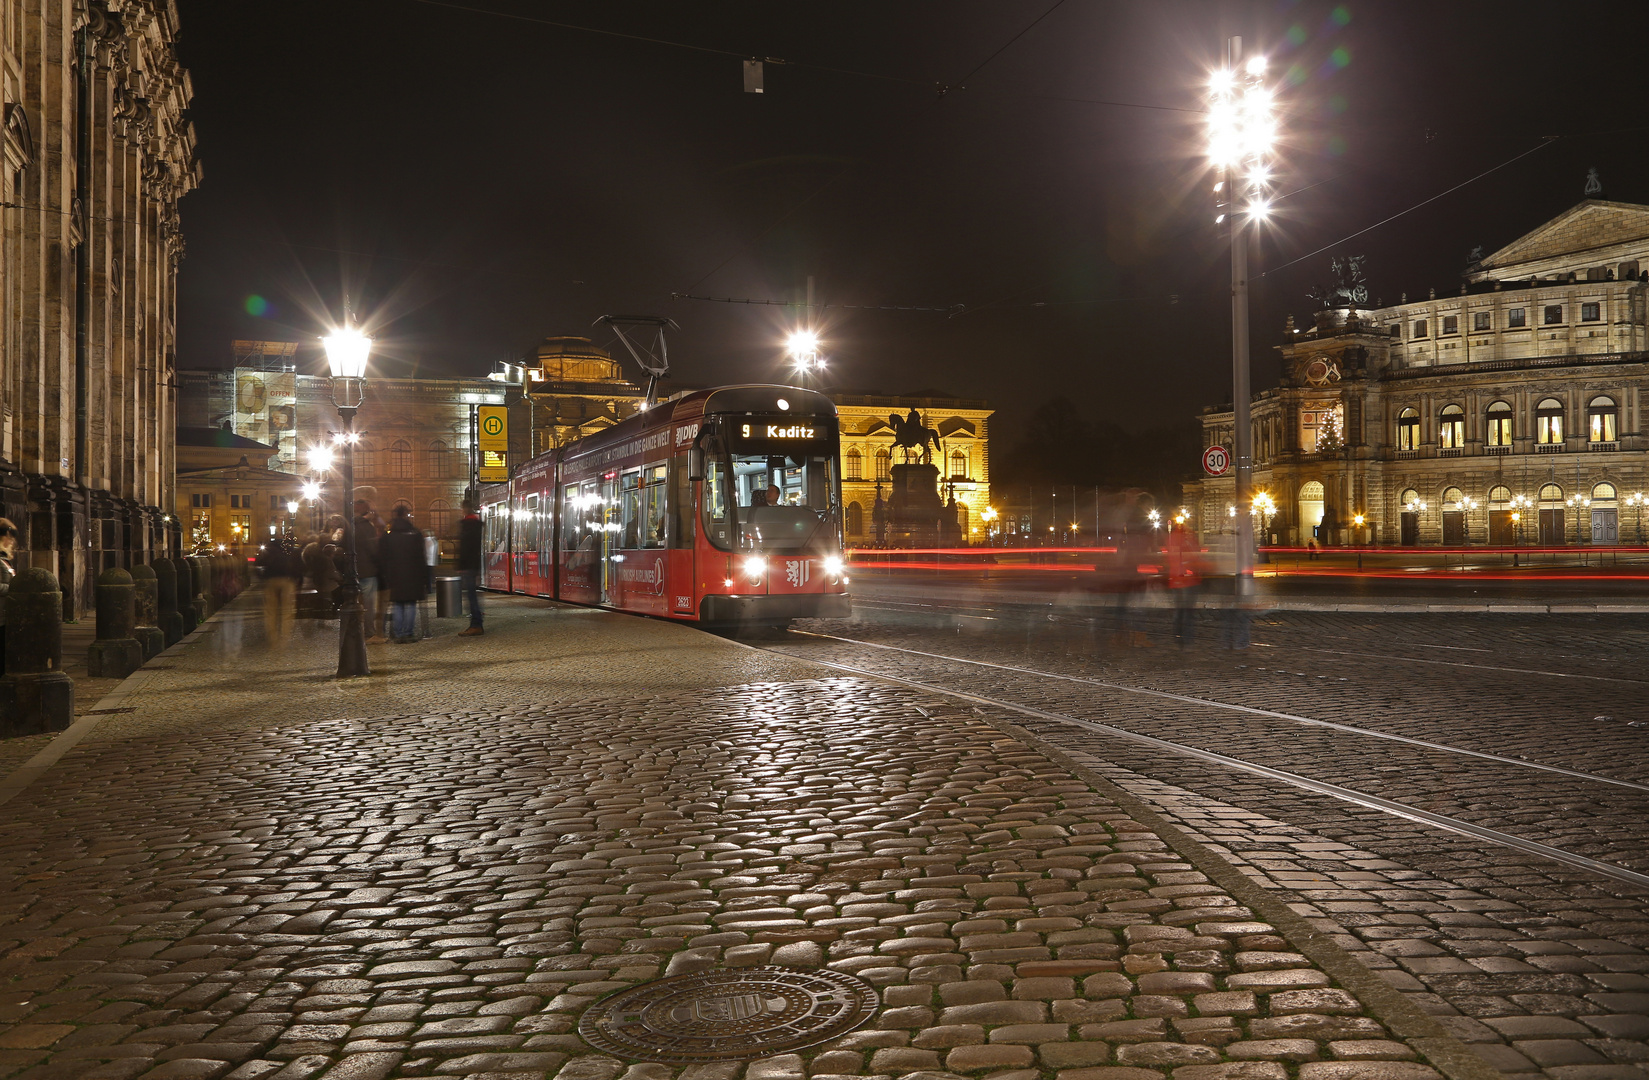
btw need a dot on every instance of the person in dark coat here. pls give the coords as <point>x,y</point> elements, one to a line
<point>368,536</point>
<point>469,565</point>
<point>405,572</point>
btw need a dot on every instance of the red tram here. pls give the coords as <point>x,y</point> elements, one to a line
<point>720,506</point>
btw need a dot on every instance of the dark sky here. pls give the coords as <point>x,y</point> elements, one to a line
<point>476,183</point>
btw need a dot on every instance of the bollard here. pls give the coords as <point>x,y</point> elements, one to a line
<point>116,653</point>
<point>185,602</point>
<point>147,629</point>
<point>171,622</point>
<point>35,695</point>
<point>197,588</point>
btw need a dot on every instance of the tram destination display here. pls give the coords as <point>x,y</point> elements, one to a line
<point>781,434</point>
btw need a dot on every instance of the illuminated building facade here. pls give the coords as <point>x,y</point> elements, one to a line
<point>868,456</point>
<point>98,150</point>
<point>1510,413</point>
<point>416,434</point>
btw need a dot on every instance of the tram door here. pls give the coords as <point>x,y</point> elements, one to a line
<point>609,532</point>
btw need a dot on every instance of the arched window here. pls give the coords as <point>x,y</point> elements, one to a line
<point>400,460</point>
<point>1603,493</point>
<point>1311,508</point>
<point>437,460</point>
<point>882,465</point>
<point>1604,418</point>
<point>440,519</point>
<point>400,503</point>
<point>1551,495</point>
<point>958,463</point>
<point>1409,499</point>
<point>1408,430</point>
<point>1500,424</point>
<point>1500,495</point>
<point>1548,422</point>
<point>1311,489</point>
<point>854,465</point>
<point>366,459</point>
<point>1451,428</point>
<point>855,519</point>
<point>1452,498</point>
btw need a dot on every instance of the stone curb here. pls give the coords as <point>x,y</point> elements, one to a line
<point>17,781</point>
<point>1400,1015</point>
<point>1428,607</point>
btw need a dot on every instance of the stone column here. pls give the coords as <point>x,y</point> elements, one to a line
<point>147,629</point>
<point>116,653</point>
<point>35,695</point>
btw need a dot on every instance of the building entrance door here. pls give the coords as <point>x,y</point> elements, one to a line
<point>1454,528</point>
<point>1408,527</point>
<point>1502,533</point>
<point>1551,528</point>
<point>1605,527</point>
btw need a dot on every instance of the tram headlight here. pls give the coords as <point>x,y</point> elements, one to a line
<point>833,565</point>
<point>754,567</point>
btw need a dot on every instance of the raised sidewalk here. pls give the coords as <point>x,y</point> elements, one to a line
<point>245,868</point>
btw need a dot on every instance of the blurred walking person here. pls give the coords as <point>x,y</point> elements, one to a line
<point>368,535</point>
<point>1185,573</point>
<point>282,568</point>
<point>404,570</point>
<point>469,565</point>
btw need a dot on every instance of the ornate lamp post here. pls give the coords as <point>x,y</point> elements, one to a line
<point>1520,505</point>
<point>1636,499</point>
<point>1241,132</point>
<point>346,354</point>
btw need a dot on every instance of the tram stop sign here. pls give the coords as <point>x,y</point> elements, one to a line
<point>1216,461</point>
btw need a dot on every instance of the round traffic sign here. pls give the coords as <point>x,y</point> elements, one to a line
<point>493,425</point>
<point>1216,461</point>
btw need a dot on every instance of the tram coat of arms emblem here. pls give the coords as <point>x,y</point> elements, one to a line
<point>795,572</point>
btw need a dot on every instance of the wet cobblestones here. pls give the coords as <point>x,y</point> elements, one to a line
<point>237,881</point>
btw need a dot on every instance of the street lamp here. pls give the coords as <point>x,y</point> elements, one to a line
<point>346,354</point>
<point>1636,499</point>
<point>1241,135</point>
<point>1519,504</point>
<point>1577,503</point>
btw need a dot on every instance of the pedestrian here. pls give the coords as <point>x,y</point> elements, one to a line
<point>8,551</point>
<point>368,535</point>
<point>469,566</point>
<point>321,571</point>
<point>282,568</point>
<point>1184,560</point>
<point>404,570</point>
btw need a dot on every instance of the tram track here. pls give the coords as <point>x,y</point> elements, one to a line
<point>1339,791</point>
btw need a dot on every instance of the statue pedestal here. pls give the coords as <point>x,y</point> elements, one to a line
<point>916,512</point>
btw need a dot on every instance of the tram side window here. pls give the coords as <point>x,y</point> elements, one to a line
<point>652,534</point>
<point>681,493</point>
<point>572,518</point>
<point>629,500</point>
<point>527,531</point>
<point>498,527</point>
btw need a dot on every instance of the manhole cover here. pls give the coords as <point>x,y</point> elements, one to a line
<point>728,1015</point>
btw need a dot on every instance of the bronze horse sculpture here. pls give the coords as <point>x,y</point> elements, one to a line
<point>912,434</point>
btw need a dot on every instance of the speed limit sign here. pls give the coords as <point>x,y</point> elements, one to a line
<point>1216,461</point>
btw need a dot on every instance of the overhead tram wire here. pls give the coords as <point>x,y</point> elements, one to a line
<point>1544,142</point>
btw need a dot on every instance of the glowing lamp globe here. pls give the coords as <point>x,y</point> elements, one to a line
<point>346,353</point>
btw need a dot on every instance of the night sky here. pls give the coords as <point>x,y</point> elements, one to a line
<point>476,183</point>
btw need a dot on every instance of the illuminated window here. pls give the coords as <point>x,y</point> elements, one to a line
<point>1548,422</point>
<point>1551,495</point>
<point>1590,313</point>
<point>1500,424</point>
<point>1452,497</point>
<point>400,460</point>
<point>1451,428</point>
<point>1603,417</point>
<point>366,459</point>
<point>1483,320</point>
<point>1552,314</point>
<point>1517,316</point>
<point>958,463</point>
<point>883,463</point>
<point>1408,430</point>
<point>440,518</point>
<point>853,465</point>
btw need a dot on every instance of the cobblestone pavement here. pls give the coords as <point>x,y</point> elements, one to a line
<point>1540,965</point>
<point>262,875</point>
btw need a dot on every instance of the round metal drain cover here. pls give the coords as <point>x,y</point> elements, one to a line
<point>728,1015</point>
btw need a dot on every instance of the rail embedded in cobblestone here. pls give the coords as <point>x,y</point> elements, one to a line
<point>445,893</point>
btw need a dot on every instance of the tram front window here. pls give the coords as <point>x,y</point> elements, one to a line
<point>784,503</point>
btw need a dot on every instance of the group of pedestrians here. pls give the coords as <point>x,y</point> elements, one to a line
<point>392,566</point>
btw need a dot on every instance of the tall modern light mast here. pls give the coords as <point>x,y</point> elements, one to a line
<point>1242,132</point>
